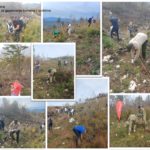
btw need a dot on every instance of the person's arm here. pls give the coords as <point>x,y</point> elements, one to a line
<point>137,54</point>
<point>17,27</point>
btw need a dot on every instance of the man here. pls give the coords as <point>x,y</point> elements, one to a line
<point>90,21</point>
<point>37,66</point>
<point>141,114</point>
<point>17,29</point>
<point>51,74</point>
<point>132,29</point>
<point>16,88</point>
<point>137,45</point>
<point>14,128</point>
<point>114,25</point>
<point>2,123</point>
<point>79,130</point>
<point>69,29</point>
<point>50,123</point>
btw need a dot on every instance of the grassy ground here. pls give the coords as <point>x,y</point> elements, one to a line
<point>62,88</point>
<point>119,132</point>
<point>31,136</point>
<point>32,32</point>
<point>87,45</point>
<point>92,114</point>
<point>8,74</point>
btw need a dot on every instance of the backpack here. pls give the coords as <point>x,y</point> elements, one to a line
<point>10,27</point>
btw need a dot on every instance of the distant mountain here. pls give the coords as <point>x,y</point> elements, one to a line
<point>50,21</point>
<point>38,110</point>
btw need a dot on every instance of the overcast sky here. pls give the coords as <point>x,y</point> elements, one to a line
<point>54,50</point>
<point>25,102</point>
<point>72,9</point>
<point>27,51</point>
<point>86,88</point>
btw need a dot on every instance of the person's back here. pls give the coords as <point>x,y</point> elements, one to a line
<point>114,22</point>
<point>139,39</point>
<point>80,128</point>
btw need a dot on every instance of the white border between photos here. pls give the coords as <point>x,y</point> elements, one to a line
<point>52,100</point>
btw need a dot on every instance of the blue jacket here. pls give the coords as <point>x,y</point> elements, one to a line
<point>80,128</point>
<point>114,22</point>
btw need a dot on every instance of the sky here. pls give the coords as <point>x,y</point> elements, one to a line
<point>54,50</point>
<point>90,87</point>
<point>60,103</point>
<point>25,102</point>
<point>133,96</point>
<point>72,9</point>
<point>86,88</point>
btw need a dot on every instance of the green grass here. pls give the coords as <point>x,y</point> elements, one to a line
<point>87,46</point>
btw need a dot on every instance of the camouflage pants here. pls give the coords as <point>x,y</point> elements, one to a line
<point>17,36</point>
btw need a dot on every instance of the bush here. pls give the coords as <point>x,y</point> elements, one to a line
<point>107,42</point>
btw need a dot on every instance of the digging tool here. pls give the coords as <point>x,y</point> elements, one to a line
<point>144,66</point>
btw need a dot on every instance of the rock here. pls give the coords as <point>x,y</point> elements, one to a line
<point>89,60</point>
<point>124,77</point>
<point>56,128</point>
<point>132,86</point>
<point>118,66</point>
<point>66,90</point>
<point>71,120</point>
<point>63,143</point>
<point>106,58</point>
<point>144,81</point>
<point>111,61</point>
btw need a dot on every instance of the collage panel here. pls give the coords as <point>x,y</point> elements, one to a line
<point>77,22</point>
<point>20,21</point>
<point>130,120</point>
<point>54,71</point>
<point>83,123</point>
<point>15,69</point>
<point>126,55</point>
<point>22,123</point>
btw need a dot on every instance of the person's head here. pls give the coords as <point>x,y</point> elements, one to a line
<point>15,121</point>
<point>130,47</point>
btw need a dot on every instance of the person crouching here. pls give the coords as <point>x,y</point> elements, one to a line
<point>137,45</point>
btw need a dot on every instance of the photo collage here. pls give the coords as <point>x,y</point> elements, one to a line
<point>74,74</point>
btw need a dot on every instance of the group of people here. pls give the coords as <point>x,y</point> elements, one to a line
<point>137,44</point>
<point>15,26</point>
<point>13,129</point>
<point>79,130</point>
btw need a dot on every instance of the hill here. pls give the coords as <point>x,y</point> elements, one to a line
<point>92,114</point>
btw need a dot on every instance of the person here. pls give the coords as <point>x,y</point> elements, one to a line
<point>132,29</point>
<point>141,114</point>
<point>16,88</point>
<point>18,24</point>
<point>51,74</point>
<point>37,66</point>
<point>114,25</point>
<point>65,62</point>
<point>136,45</point>
<point>79,130</point>
<point>50,123</point>
<point>69,29</point>
<point>90,21</point>
<point>14,128</point>
<point>2,123</point>
<point>59,63</point>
